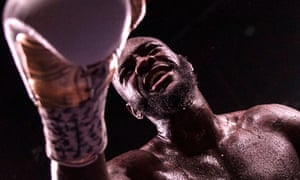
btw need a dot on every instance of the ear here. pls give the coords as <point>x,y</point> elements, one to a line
<point>191,66</point>
<point>136,113</point>
<point>187,62</point>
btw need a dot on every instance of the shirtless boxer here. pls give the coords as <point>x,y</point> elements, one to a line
<point>66,52</point>
<point>192,142</point>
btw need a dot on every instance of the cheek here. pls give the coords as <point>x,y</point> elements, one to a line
<point>172,56</point>
<point>126,91</point>
<point>131,93</point>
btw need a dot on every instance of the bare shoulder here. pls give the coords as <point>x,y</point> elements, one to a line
<point>270,116</point>
<point>276,108</point>
<point>135,164</point>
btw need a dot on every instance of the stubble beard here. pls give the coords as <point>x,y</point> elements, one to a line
<point>180,97</point>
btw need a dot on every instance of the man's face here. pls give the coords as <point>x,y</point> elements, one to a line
<point>154,80</point>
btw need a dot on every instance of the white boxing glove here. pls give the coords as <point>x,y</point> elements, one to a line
<point>77,32</point>
<point>66,53</point>
<point>84,32</point>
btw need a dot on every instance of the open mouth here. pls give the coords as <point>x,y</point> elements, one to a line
<point>158,78</point>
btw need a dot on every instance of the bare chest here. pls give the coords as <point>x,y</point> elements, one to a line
<point>246,155</point>
<point>206,166</point>
<point>260,155</point>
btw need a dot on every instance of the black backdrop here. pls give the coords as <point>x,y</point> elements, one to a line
<point>245,52</point>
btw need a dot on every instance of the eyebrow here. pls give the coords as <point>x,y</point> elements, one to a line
<point>145,48</point>
<point>127,66</point>
<point>127,62</point>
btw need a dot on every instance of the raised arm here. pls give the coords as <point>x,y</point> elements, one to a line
<point>66,52</point>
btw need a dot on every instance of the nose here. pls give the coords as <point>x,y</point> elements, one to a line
<point>143,65</point>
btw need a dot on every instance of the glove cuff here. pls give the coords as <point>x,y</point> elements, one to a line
<point>75,135</point>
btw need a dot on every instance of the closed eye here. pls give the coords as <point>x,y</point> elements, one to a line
<point>147,48</point>
<point>154,51</point>
<point>124,75</point>
<point>126,69</point>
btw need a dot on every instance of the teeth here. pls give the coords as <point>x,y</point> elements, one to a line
<point>156,76</point>
<point>166,77</point>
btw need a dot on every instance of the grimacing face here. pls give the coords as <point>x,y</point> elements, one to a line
<point>153,79</point>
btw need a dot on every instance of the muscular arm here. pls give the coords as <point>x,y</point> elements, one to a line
<point>73,119</point>
<point>66,70</point>
<point>135,164</point>
<point>95,171</point>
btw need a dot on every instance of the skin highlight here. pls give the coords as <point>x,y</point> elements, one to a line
<point>192,142</point>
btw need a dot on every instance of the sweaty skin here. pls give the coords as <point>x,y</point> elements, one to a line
<point>192,142</point>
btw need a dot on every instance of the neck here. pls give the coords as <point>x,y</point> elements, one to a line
<point>192,130</point>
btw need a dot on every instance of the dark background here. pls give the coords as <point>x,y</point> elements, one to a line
<point>245,52</point>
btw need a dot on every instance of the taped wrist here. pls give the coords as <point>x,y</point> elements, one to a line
<point>71,101</point>
<point>75,136</point>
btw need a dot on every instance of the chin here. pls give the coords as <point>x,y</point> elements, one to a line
<point>174,99</point>
<point>175,96</point>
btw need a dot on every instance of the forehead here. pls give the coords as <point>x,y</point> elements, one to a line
<point>139,46</point>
